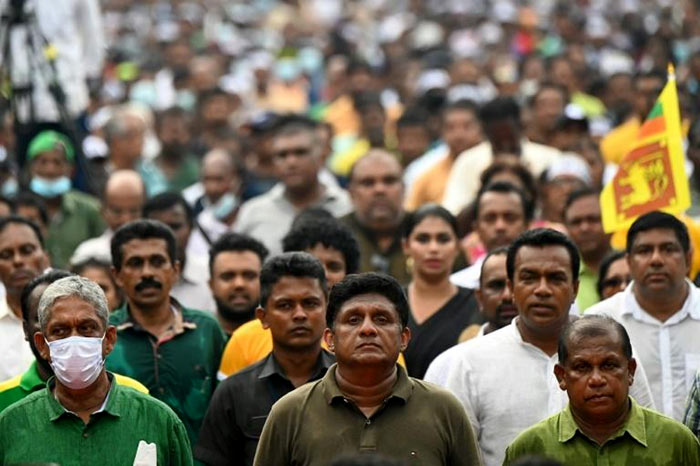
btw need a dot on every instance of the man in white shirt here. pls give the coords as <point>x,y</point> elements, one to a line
<point>22,257</point>
<point>660,308</point>
<point>505,379</point>
<point>297,154</point>
<point>122,201</point>
<point>501,124</point>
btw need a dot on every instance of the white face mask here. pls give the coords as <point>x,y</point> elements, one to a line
<point>76,361</point>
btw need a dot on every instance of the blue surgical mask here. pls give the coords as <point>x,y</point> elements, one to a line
<point>287,69</point>
<point>10,188</point>
<point>224,206</point>
<point>186,99</point>
<point>50,188</point>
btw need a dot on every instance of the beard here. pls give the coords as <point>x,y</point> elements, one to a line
<point>235,316</point>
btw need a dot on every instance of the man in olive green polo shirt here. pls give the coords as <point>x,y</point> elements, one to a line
<point>366,403</point>
<point>73,216</point>
<point>174,351</point>
<point>82,416</point>
<point>602,424</point>
<point>35,377</point>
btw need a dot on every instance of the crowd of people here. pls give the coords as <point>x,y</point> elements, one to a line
<point>342,232</point>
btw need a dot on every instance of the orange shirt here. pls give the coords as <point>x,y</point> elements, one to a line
<point>430,186</point>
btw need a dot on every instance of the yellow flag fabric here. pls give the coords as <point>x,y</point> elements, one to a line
<point>652,175</point>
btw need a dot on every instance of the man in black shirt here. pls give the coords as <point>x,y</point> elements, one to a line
<point>293,295</point>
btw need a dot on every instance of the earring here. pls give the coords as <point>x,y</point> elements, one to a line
<point>409,265</point>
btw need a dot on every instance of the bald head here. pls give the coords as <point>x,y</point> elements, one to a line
<point>372,158</point>
<point>219,174</point>
<point>590,327</point>
<point>376,190</point>
<point>123,199</point>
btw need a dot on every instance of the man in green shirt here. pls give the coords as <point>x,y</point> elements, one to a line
<point>83,417</point>
<point>73,216</point>
<point>582,218</point>
<point>602,424</point>
<point>366,403</point>
<point>174,351</point>
<point>35,377</point>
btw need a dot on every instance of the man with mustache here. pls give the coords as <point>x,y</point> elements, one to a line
<point>602,423</point>
<point>542,274</point>
<point>293,296</point>
<point>494,297</point>
<point>171,349</point>
<point>660,308</point>
<point>235,261</point>
<point>22,257</point>
<point>377,191</point>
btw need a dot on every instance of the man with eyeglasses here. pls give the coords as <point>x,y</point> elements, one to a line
<point>122,201</point>
<point>613,274</point>
<point>297,157</point>
<point>660,308</point>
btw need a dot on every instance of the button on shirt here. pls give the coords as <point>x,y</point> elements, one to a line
<point>646,438</point>
<point>179,368</point>
<point>485,373</point>
<point>418,423</point>
<point>15,353</point>
<point>38,430</point>
<point>670,351</point>
<point>239,408</point>
<point>269,216</point>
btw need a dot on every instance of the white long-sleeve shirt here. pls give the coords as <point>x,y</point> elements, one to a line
<point>507,385</point>
<point>74,28</point>
<point>670,351</point>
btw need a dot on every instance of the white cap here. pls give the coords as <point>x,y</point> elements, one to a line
<point>571,164</point>
<point>432,79</point>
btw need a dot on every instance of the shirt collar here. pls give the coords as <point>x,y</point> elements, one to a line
<point>109,406</point>
<point>271,367</point>
<point>402,389</point>
<point>690,306</point>
<point>124,320</point>
<point>634,425</point>
<point>5,311</point>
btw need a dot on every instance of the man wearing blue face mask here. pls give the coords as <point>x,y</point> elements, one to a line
<point>83,416</point>
<point>73,216</point>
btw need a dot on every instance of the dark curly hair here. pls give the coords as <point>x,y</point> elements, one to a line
<point>328,232</point>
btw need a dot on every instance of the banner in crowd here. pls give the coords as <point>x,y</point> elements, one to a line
<point>652,175</point>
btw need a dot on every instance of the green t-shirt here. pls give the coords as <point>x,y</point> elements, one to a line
<point>587,290</point>
<point>180,368</point>
<point>19,387</point>
<point>78,219</point>
<point>38,429</point>
<point>647,438</point>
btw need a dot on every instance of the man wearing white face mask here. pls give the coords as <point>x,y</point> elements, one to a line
<point>73,216</point>
<point>83,412</point>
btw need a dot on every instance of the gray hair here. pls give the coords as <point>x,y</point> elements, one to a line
<point>74,286</point>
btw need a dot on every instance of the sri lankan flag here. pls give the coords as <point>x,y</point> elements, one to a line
<point>652,175</point>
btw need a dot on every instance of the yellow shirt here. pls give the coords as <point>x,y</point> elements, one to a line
<point>430,186</point>
<point>249,344</point>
